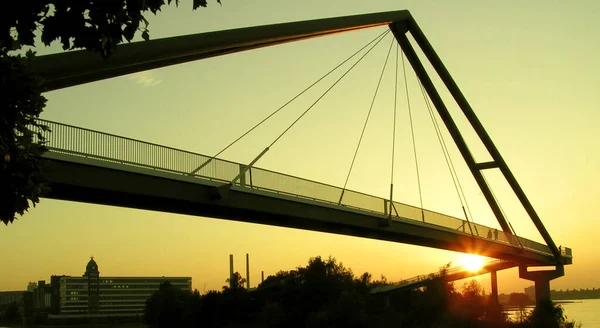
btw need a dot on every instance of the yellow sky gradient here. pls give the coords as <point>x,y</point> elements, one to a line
<point>529,69</point>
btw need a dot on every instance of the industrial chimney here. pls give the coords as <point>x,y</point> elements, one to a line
<point>230,270</point>
<point>247,271</point>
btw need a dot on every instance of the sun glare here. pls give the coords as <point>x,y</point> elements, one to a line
<point>472,262</point>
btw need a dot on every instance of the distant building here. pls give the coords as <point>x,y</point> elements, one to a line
<point>31,286</point>
<point>42,296</point>
<point>530,292</point>
<point>10,297</point>
<point>97,296</point>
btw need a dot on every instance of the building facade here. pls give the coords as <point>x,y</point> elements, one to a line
<point>11,297</point>
<point>530,292</point>
<point>93,294</point>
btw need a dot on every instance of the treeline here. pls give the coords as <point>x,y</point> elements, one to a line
<point>327,294</point>
<point>515,300</point>
<point>575,294</point>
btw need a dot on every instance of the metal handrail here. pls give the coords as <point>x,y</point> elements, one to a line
<point>146,154</point>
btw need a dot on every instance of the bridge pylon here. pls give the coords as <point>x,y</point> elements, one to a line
<point>542,281</point>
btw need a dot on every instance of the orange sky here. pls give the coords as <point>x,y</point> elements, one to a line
<point>528,69</point>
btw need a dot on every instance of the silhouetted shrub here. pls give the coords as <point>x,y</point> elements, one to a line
<point>327,294</point>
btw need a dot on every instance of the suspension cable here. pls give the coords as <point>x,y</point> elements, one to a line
<point>503,213</point>
<point>449,163</point>
<point>366,120</point>
<point>380,36</point>
<point>394,134</point>
<point>412,132</point>
<point>453,171</point>
<point>326,91</point>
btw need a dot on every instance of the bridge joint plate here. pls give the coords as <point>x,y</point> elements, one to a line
<point>486,165</point>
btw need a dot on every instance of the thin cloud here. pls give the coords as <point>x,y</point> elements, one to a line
<point>145,79</point>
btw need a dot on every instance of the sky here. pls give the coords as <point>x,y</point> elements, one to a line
<point>528,69</point>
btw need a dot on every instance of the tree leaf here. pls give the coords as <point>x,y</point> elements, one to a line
<point>66,43</point>
<point>145,35</point>
<point>128,32</point>
<point>199,3</point>
<point>16,45</point>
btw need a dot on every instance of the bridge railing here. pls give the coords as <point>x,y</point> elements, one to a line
<point>63,138</point>
<point>422,279</point>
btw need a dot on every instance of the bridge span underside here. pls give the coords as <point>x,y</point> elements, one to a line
<point>81,179</point>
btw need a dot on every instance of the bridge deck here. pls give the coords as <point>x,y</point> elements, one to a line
<point>92,166</point>
<point>452,274</point>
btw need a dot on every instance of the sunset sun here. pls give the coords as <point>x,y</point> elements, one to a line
<point>472,262</point>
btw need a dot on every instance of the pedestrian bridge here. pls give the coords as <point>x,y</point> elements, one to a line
<point>452,274</point>
<point>91,166</point>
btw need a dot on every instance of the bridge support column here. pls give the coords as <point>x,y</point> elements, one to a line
<point>542,281</point>
<point>494,277</point>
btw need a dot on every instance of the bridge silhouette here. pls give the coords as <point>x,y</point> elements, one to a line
<point>78,158</point>
<point>451,274</point>
<point>95,167</point>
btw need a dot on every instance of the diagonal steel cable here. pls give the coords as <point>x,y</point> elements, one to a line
<point>326,91</point>
<point>366,120</point>
<point>379,37</point>
<point>414,143</point>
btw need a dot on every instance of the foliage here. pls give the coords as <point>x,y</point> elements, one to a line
<point>166,306</point>
<point>575,294</point>
<point>98,26</point>
<point>550,315</point>
<point>21,144</point>
<point>519,299</point>
<point>236,282</point>
<point>326,294</point>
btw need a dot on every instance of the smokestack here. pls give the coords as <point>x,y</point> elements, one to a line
<point>247,271</point>
<point>231,270</point>
<point>262,277</point>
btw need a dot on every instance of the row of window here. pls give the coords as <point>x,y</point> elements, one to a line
<point>182,286</point>
<point>141,280</point>
<point>127,292</point>
<point>80,280</point>
<point>123,304</point>
<point>75,281</point>
<point>76,286</point>
<point>123,298</point>
<point>76,298</point>
<point>116,307</point>
<point>131,298</point>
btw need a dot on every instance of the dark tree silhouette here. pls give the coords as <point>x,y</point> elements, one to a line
<point>166,307</point>
<point>549,315</point>
<point>327,294</point>
<point>236,282</point>
<point>98,26</point>
<point>21,179</point>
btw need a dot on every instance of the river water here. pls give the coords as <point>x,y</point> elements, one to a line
<point>586,312</point>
